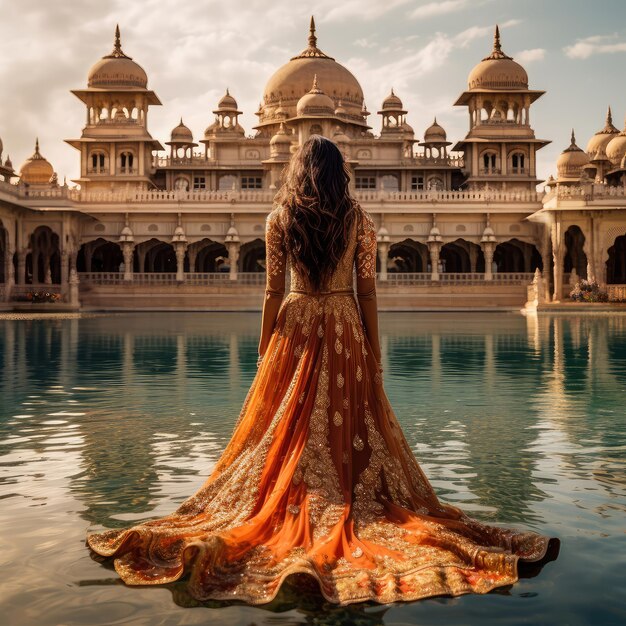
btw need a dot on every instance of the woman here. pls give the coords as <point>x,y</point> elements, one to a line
<point>318,478</point>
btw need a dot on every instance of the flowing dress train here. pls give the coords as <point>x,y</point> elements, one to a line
<point>318,477</point>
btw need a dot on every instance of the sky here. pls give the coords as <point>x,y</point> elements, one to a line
<point>575,50</point>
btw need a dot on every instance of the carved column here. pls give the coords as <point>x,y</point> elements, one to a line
<point>9,272</point>
<point>233,257</point>
<point>127,251</point>
<point>383,255</point>
<point>488,250</point>
<point>434,248</point>
<point>558,255</point>
<point>180,248</point>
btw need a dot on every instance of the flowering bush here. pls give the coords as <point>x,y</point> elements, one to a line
<point>42,296</point>
<point>588,291</point>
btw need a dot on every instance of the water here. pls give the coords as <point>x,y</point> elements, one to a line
<point>109,419</point>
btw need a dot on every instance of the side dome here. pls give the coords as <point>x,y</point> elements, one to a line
<point>293,80</point>
<point>227,102</point>
<point>117,70</point>
<point>571,161</point>
<point>36,170</point>
<point>596,148</point>
<point>315,102</point>
<point>181,134</point>
<point>435,133</point>
<point>392,102</point>
<point>498,71</point>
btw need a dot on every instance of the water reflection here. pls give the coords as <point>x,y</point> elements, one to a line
<point>116,418</point>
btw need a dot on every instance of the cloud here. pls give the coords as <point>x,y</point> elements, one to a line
<point>584,48</point>
<point>437,8</point>
<point>528,56</point>
<point>434,9</point>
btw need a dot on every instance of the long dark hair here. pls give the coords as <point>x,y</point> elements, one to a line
<point>319,209</point>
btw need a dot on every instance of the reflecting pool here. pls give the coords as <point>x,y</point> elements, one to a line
<point>110,419</point>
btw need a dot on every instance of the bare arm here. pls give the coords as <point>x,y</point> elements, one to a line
<point>366,281</point>
<point>275,264</point>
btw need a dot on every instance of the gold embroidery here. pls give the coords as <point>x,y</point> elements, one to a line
<point>338,346</point>
<point>366,247</point>
<point>340,380</point>
<point>358,443</point>
<point>337,419</point>
<point>359,373</point>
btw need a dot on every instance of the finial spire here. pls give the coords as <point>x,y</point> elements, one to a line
<point>117,51</point>
<point>393,94</point>
<point>36,145</point>
<point>227,92</point>
<point>181,121</point>
<point>496,40</point>
<point>435,120</point>
<point>118,39</point>
<point>312,37</point>
<point>609,117</point>
<point>315,87</point>
<point>573,138</point>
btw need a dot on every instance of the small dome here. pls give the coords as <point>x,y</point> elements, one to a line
<point>316,102</point>
<point>339,136</point>
<point>571,162</point>
<point>340,110</point>
<point>117,71</point>
<point>181,134</point>
<point>36,170</point>
<point>280,110</point>
<point>498,71</point>
<point>407,128</point>
<point>227,102</point>
<point>596,148</point>
<point>435,133</point>
<point>616,148</point>
<point>281,136</point>
<point>392,102</point>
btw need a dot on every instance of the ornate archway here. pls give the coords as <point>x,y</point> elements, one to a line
<point>462,256</point>
<point>575,257</point>
<point>517,256</point>
<point>99,255</point>
<point>252,256</point>
<point>616,263</point>
<point>43,262</point>
<point>407,256</point>
<point>207,255</point>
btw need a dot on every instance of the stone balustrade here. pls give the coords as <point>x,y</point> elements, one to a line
<point>178,196</point>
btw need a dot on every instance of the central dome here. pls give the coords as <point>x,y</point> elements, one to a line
<point>293,80</point>
<point>498,71</point>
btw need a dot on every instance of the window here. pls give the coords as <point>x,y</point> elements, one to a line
<point>489,163</point>
<point>182,184</point>
<point>517,163</point>
<point>127,160</point>
<point>251,182</point>
<point>365,182</point>
<point>199,182</point>
<point>97,162</point>
<point>435,184</point>
<point>417,182</point>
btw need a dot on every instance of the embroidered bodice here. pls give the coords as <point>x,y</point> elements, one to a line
<point>359,255</point>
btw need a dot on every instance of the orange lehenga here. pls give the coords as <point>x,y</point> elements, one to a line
<point>318,477</point>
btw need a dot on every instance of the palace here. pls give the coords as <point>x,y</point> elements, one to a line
<point>460,224</point>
